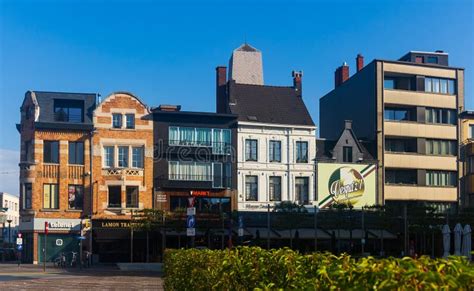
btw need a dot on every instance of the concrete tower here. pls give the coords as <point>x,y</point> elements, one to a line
<point>245,65</point>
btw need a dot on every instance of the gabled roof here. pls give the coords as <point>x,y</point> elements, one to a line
<point>268,104</point>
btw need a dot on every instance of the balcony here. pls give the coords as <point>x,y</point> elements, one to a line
<point>195,148</point>
<point>75,171</point>
<point>122,172</point>
<point>405,192</point>
<point>414,129</point>
<point>50,171</point>
<point>414,161</point>
<point>194,181</point>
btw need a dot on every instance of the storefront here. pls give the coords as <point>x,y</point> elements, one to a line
<point>62,237</point>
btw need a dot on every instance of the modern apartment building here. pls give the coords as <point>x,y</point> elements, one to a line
<point>409,108</point>
<point>275,141</point>
<point>195,157</point>
<point>11,214</point>
<point>467,158</point>
<point>122,169</point>
<point>54,170</point>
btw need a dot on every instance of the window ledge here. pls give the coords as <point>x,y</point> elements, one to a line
<point>74,210</point>
<point>49,210</point>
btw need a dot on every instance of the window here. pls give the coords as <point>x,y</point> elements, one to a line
<point>50,196</point>
<point>117,120</point>
<point>407,177</point>
<point>441,116</point>
<point>437,85</point>
<point>251,188</point>
<point>441,178</point>
<point>132,197</point>
<point>441,147</point>
<point>399,114</point>
<point>26,197</point>
<point>68,110</point>
<point>275,151</point>
<point>219,139</point>
<point>471,131</point>
<point>28,151</point>
<point>189,171</point>
<point>122,156</point>
<point>202,204</point>
<point>76,153</point>
<point>302,194</point>
<point>432,60</point>
<point>470,165</point>
<point>401,145</point>
<point>137,157</point>
<point>115,196</point>
<point>251,153</point>
<point>389,83</point>
<point>130,121</point>
<point>217,175</point>
<point>51,152</point>
<point>275,188</point>
<point>75,196</point>
<point>301,152</point>
<point>347,154</point>
<point>109,157</point>
<point>419,59</point>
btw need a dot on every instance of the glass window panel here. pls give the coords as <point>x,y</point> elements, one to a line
<point>251,150</point>
<point>444,86</point>
<point>117,120</point>
<point>115,196</point>
<point>51,152</point>
<point>389,84</point>
<point>132,197</point>
<point>301,152</point>
<point>75,196</point>
<point>109,157</point>
<point>471,131</point>
<point>275,188</point>
<point>451,87</point>
<point>251,188</point>
<point>137,157</point>
<point>436,85</point>
<point>428,85</point>
<point>130,121</point>
<point>123,156</point>
<point>203,136</point>
<point>173,135</point>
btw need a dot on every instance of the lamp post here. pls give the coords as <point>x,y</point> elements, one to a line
<point>9,231</point>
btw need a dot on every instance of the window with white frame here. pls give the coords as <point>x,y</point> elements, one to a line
<point>120,157</point>
<point>117,120</point>
<point>137,157</point>
<point>130,120</point>
<point>218,139</point>
<point>123,156</point>
<point>251,150</point>
<point>301,151</point>
<point>274,151</point>
<point>109,157</point>
<point>251,188</point>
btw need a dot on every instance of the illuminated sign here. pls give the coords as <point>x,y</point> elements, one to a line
<point>346,184</point>
<point>199,193</point>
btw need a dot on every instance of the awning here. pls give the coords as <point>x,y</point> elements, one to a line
<point>382,234</point>
<point>303,233</point>
<point>263,232</point>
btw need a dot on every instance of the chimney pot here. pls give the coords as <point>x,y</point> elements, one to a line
<point>297,82</point>
<point>169,108</point>
<point>348,124</point>
<point>341,74</point>
<point>359,62</point>
<point>221,96</point>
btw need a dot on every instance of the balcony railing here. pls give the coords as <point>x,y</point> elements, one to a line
<point>50,171</point>
<point>217,147</point>
<point>122,172</point>
<point>191,181</point>
<point>76,171</point>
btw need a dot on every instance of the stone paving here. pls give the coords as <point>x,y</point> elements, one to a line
<point>30,277</point>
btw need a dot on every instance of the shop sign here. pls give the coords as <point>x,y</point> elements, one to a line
<point>200,193</point>
<point>59,242</point>
<point>110,224</point>
<point>57,224</point>
<point>346,184</point>
<point>161,198</point>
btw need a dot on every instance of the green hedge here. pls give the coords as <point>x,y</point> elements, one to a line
<point>247,268</point>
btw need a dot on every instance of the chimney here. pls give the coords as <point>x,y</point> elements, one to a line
<point>348,124</point>
<point>359,62</point>
<point>341,75</point>
<point>297,76</point>
<point>169,108</point>
<point>221,81</point>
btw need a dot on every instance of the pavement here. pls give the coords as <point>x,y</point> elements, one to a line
<point>101,277</point>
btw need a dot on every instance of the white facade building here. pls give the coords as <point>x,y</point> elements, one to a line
<point>284,168</point>
<point>276,136</point>
<point>12,214</point>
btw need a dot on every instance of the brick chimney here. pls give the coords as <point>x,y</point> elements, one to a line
<point>221,95</point>
<point>169,108</point>
<point>297,79</point>
<point>341,75</point>
<point>359,62</point>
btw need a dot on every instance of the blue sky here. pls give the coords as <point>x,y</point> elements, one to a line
<point>166,52</point>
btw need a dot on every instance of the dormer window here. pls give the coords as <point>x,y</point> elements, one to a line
<point>130,121</point>
<point>69,111</point>
<point>117,120</point>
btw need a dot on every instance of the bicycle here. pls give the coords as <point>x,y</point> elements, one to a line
<point>74,259</point>
<point>60,261</point>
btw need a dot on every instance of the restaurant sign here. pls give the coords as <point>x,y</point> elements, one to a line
<point>346,184</point>
<point>111,224</point>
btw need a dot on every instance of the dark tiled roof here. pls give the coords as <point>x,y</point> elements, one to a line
<point>268,104</point>
<point>46,104</point>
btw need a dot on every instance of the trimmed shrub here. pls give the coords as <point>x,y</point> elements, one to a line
<point>252,268</point>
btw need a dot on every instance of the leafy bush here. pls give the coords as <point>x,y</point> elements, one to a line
<point>252,268</point>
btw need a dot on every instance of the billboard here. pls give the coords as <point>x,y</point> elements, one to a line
<point>353,184</point>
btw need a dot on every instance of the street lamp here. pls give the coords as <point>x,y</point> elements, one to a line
<point>9,231</point>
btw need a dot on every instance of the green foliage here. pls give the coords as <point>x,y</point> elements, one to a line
<point>252,268</point>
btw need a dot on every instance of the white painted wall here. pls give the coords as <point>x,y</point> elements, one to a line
<point>287,169</point>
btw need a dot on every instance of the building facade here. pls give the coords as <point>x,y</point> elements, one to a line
<point>54,171</point>
<point>11,214</point>
<point>122,169</point>
<point>467,158</point>
<point>409,108</point>
<point>275,134</point>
